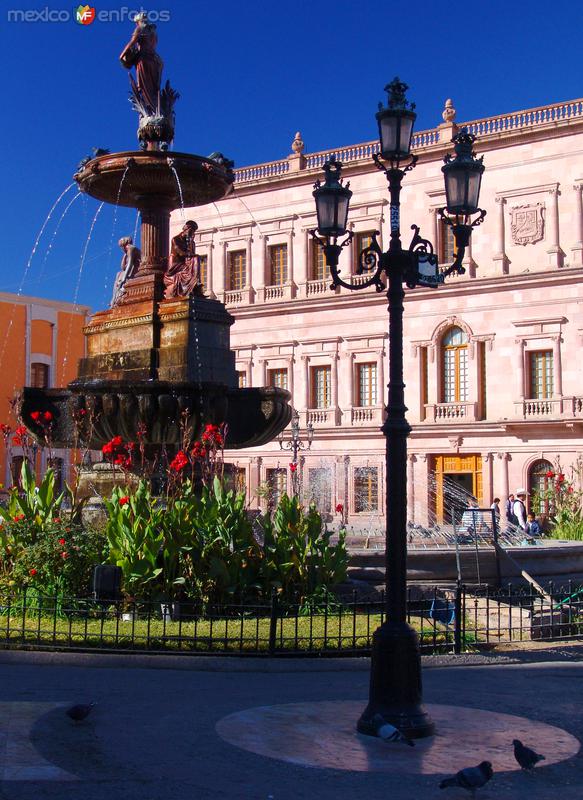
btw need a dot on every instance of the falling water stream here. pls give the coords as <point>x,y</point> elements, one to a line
<point>193,306</point>
<point>114,225</point>
<point>27,268</point>
<point>76,294</point>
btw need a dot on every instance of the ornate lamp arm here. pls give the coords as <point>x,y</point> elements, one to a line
<point>462,232</point>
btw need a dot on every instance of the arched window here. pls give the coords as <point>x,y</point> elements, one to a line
<point>455,366</point>
<point>540,481</point>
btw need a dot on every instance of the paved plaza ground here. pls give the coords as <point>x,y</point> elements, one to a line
<point>196,728</point>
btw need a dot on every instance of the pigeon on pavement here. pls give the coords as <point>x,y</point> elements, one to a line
<point>79,712</point>
<point>389,733</point>
<point>526,757</point>
<point>471,778</point>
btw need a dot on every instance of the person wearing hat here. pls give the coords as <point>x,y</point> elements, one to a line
<point>519,509</point>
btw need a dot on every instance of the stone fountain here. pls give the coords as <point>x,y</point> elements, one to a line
<point>158,363</point>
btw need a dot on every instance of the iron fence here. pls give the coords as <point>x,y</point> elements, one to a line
<point>450,619</point>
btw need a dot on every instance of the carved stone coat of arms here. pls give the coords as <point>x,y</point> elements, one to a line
<point>527,223</point>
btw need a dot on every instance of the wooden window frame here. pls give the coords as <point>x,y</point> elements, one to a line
<point>327,387</point>
<point>237,270</point>
<point>278,264</point>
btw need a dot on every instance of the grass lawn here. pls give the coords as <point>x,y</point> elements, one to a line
<point>347,631</point>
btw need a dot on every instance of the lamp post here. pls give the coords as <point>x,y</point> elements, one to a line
<point>395,681</point>
<point>295,443</point>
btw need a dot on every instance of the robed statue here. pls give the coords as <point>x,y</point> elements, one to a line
<point>140,52</point>
<point>182,278</point>
<point>130,263</point>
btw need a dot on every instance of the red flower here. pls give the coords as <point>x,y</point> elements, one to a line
<point>82,412</point>
<point>5,429</point>
<point>179,461</point>
<point>20,431</point>
<point>570,490</point>
<point>18,517</point>
<point>64,555</point>
<point>35,415</point>
<point>57,520</point>
<point>32,572</point>
<point>293,467</point>
<point>16,440</point>
<point>198,451</point>
<point>339,508</point>
<point>116,441</point>
<point>549,474</point>
<point>560,478</point>
<point>47,416</point>
<point>62,541</point>
<point>118,460</point>
<point>124,500</point>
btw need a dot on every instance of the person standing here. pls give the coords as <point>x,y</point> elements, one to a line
<point>496,509</point>
<point>519,509</point>
<point>509,512</point>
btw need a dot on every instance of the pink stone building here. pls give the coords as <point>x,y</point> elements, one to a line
<point>494,374</point>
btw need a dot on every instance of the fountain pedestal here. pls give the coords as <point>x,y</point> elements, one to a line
<point>181,340</point>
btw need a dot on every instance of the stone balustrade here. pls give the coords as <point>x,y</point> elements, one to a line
<point>555,113</point>
<point>451,412</point>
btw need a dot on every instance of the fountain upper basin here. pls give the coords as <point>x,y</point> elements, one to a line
<point>150,180</point>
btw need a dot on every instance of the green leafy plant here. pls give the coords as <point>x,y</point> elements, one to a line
<point>135,536</point>
<point>298,554</point>
<point>38,505</point>
<point>564,500</point>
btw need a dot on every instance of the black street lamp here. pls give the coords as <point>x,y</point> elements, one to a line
<point>295,443</point>
<point>395,681</point>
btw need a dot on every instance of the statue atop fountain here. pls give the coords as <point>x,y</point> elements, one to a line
<point>155,107</point>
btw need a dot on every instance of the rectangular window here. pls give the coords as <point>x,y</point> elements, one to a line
<point>278,264</point>
<point>237,270</point>
<point>319,266</point>
<point>366,489</point>
<point>455,374</point>
<point>242,379</point>
<point>278,378</point>
<point>16,469</point>
<point>361,241</point>
<point>321,387</point>
<point>447,248</point>
<point>367,384</point>
<point>541,374</point>
<point>423,380</point>
<point>39,375</point>
<point>277,485</point>
<point>56,464</point>
<point>320,488</point>
<point>203,262</point>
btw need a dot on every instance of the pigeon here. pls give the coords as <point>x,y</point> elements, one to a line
<point>79,712</point>
<point>388,732</point>
<point>471,778</point>
<point>526,757</point>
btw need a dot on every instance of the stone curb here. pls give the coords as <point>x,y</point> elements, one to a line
<point>564,652</point>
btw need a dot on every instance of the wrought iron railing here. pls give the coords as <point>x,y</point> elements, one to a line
<point>453,619</point>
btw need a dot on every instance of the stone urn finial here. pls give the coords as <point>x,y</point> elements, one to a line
<point>297,144</point>
<point>448,112</point>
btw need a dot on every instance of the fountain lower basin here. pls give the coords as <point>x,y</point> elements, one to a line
<point>90,413</point>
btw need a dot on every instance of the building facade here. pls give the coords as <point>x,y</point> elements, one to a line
<point>494,377</point>
<point>42,343</point>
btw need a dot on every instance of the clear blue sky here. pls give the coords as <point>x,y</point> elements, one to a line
<point>250,75</point>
